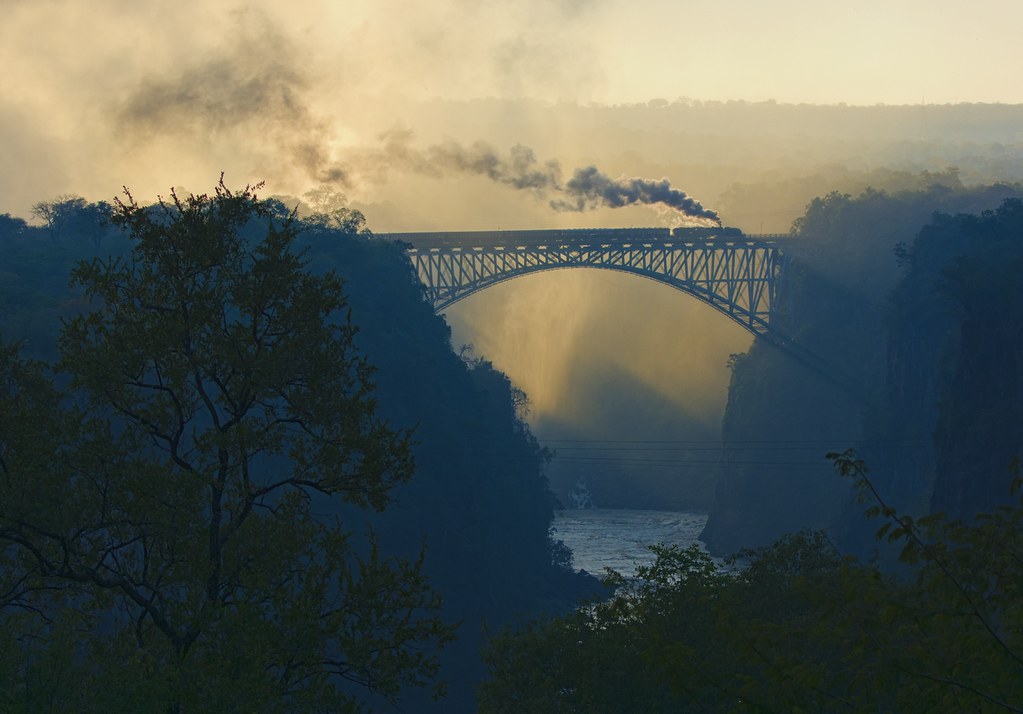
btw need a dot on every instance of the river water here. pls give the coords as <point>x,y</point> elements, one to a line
<point>619,538</point>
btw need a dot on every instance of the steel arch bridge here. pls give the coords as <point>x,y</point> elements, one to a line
<point>738,275</point>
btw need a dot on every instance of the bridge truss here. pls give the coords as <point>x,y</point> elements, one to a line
<point>738,275</point>
<point>739,278</point>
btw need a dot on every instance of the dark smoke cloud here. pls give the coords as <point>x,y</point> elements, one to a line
<point>588,188</point>
<point>520,170</point>
<point>245,91</point>
<point>245,96</point>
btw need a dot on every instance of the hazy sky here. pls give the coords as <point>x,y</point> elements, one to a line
<point>99,94</point>
<point>93,95</point>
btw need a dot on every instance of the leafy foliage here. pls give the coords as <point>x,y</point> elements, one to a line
<point>795,627</point>
<point>69,214</point>
<point>181,498</point>
<point>479,499</point>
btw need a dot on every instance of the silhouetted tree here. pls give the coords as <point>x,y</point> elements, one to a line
<point>175,514</point>
<point>93,220</point>
<point>58,213</point>
<point>330,210</point>
<point>796,628</point>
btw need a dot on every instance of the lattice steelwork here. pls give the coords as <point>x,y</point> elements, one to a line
<point>740,278</point>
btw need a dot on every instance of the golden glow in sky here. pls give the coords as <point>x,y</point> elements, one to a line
<point>867,52</point>
<point>93,95</point>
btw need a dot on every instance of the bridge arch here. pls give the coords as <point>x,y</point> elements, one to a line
<point>739,276</point>
<point>748,321</point>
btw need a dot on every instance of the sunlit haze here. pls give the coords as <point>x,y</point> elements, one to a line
<point>453,356</point>
<point>82,81</point>
<point>360,95</point>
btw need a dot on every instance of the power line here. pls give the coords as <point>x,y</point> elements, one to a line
<point>736,441</point>
<point>716,449</point>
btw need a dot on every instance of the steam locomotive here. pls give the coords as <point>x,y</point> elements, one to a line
<point>573,235</point>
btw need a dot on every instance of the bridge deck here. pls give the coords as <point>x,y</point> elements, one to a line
<point>576,236</point>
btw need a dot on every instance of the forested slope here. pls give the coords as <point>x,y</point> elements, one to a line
<point>478,505</point>
<point>479,500</point>
<point>930,619</point>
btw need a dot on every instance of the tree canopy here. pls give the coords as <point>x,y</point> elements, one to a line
<point>795,627</point>
<point>179,490</point>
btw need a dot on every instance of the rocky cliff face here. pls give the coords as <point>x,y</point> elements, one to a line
<point>979,430</point>
<point>774,478</point>
<point>934,398</point>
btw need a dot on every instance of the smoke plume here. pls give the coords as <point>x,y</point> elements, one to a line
<point>242,99</point>
<point>239,98</point>
<point>589,188</point>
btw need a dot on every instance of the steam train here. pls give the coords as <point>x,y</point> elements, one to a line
<point>573,235</point>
